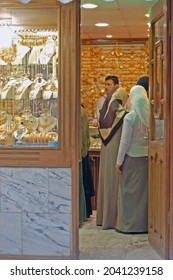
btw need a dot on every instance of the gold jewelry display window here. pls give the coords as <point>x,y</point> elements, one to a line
<point>29,78</point>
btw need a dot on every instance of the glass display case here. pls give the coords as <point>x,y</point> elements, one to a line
<point>29,77</point>
<point>95,141</point>
<point>39,85</point>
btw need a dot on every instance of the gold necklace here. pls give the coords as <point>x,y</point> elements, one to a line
<point>47,123</point>
<point>3,119</point>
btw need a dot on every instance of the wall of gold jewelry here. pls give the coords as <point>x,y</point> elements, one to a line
<point>29,87</point>
<point>125,60</point>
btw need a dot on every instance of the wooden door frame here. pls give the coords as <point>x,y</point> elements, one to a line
<point>167,10</point>
<point>171,142</point>
<point>162,8</point>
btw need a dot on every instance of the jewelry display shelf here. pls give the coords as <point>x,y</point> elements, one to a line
<point>29,87</point>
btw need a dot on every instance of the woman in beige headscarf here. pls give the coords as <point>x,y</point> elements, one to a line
<point>132,164</point>
<point>110,122</point>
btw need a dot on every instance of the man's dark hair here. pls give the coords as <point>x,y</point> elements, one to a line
<point>113,78</point>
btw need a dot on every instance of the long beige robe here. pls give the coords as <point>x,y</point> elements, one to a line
<point>108,184</point>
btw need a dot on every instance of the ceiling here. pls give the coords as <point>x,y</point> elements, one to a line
<point>126,19</point>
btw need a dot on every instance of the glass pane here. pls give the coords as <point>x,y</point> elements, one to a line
<point>159,65</point>
<point>28,78</point>
<point>157,96</point>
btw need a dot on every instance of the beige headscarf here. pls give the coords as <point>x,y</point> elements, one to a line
<point>111,115</point>
<point>121,95</point>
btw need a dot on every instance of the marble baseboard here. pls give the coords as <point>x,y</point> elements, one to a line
<point>10,233</point>
<point>24,189</point>
<point>46,234</point>
<point>60,191</point>
<point>35,211</point>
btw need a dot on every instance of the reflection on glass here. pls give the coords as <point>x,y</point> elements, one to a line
<point>157,101</point>
<point>158,89</point>
<point>20,133</point>
<point>159,29</point>
<point>159,129</point>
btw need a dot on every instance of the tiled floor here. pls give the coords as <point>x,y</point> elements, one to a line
<point>95,243</point>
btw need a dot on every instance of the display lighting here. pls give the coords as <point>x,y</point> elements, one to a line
<point>64,1</point>
<point>24,1</point>
<point>108,36</point>
<point>101,24</point>
<point>89,6</point>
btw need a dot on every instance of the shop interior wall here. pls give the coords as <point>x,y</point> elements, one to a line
<point>126,60</point>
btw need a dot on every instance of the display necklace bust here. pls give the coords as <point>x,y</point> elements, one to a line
<point>8,90</point>
<point>4,119</point>
<point>36,87</point>
<point>21,91</point>
<point>50,89</point>
<point>46,122</point>
<point>29,121</point>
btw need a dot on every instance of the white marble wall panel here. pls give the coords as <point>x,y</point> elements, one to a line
<point>35,205</point>
<point>60,190</point>
<point>46,234</point>
<point>24,189</point>
<point>10,234</point>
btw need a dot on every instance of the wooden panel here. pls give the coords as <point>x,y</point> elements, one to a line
<point>157,221</point>
<point>34,157</point>
<point>171,148</point>
<point>33,3</point>
<point>70,103</point>
<point>45,17</point>
<point>157,11</point>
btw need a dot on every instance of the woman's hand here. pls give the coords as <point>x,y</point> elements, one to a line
<point>118,168</point>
